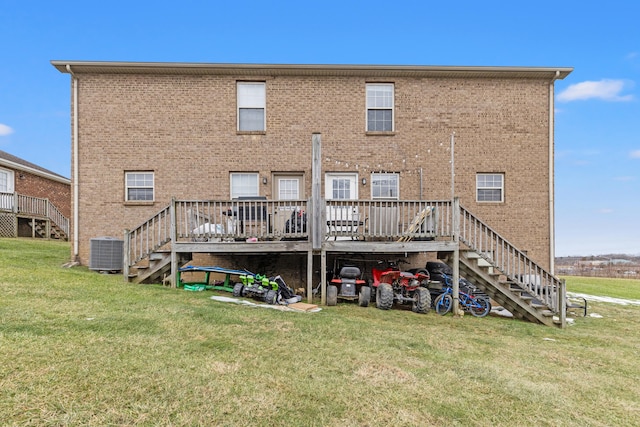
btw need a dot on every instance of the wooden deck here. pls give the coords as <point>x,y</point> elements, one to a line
<point>39,214</point>
<point>183,228</point>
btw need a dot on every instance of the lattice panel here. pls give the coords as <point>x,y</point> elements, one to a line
<point>7,225</point>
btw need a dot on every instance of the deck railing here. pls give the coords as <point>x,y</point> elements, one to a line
<point>513,263</point>
<point>388,220</point>
<point>147,237</point>
<point>272,220</point>
<point>221,220</point>
<point>225,220</point>
<point>34,206</point>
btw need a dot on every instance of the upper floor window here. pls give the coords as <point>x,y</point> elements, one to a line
<point>379,107</point>
<point>139,186</point>
<point>244,185</point>
<point>490,187</point>
<point>384,185</point>
<point>251,106</point>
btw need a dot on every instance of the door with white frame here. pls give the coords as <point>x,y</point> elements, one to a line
<point>288,186</point>
<point>6,189</point>
<point>343,218</point>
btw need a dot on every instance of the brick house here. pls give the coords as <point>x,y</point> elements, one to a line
<point>365,145</point>
<point>34,201</point>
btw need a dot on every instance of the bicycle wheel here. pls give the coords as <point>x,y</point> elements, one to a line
<point>443,304</point>
<point>480,307</point>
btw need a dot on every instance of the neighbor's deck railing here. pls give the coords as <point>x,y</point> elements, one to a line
<point>513,263</point>
<point>35,206</point>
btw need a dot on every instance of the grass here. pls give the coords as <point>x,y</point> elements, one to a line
<point>610,287</point>
<point>81,348</point>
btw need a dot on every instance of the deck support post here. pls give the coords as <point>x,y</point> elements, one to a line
<point>174,255</point>
<point>562,303</point>
<point>323,277</point>
<point>310,276</point>
<point>126,255</point>
<point>316,201</point>
<point>456,257</point>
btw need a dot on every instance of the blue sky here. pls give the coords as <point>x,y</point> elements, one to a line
<point>597,107</point>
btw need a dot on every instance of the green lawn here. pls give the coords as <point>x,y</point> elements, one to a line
<point>618,288</point>
<point>82,348</point>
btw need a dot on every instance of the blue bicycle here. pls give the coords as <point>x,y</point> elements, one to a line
<point>477,305</point>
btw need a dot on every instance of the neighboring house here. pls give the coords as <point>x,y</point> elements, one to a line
<point>34,202</point>
<point>368,149</point>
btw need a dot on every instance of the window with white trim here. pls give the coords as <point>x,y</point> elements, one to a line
<point>244,185</point>
<point>288,189</point>
<point>251,106</point>
<point>6,181</point>
<point>384,186</point>
<point>139,186</point>
<point>490,187</point>
<point>379,107</point>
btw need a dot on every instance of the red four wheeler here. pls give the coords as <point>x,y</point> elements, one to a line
<point>402,287</point>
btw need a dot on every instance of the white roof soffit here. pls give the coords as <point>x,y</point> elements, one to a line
<point>101,67</point>
<point>17,166</point>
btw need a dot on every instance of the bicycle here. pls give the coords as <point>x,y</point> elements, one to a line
<point>478,306</point>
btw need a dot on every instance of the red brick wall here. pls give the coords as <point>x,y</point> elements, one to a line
<point>58,193</point>
<point>184,129</point>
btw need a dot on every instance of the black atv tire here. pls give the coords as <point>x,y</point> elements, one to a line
<point>271,297</point>
<point>421,301</point>
<point>332,295</point>
<point>365,296</point>
<point>384,296</point>
<point>237,289</point>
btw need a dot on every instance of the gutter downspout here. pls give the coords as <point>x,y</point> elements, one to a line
<point>75,164</point>
<point>552,225</point>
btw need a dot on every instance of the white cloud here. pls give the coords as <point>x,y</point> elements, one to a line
<point>632,55</point>
<point>635,154</point>
<point>624,178</point>
<point>5,130</point>
<point>606,211</point>
<point>606,90</point>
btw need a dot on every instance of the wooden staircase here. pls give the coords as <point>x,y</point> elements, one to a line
<point>54,231</point>
<point>147,250</point>
<point>507,274</point>
<point>155,268</point>
<point>513,295</point>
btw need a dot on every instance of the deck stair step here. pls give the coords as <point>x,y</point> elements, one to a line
<point>158,256</point>
<point>159,265</point>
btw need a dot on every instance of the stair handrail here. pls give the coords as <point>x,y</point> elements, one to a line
<point>147,237</point>
<point>511,261</point>
<point>58,218</point>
